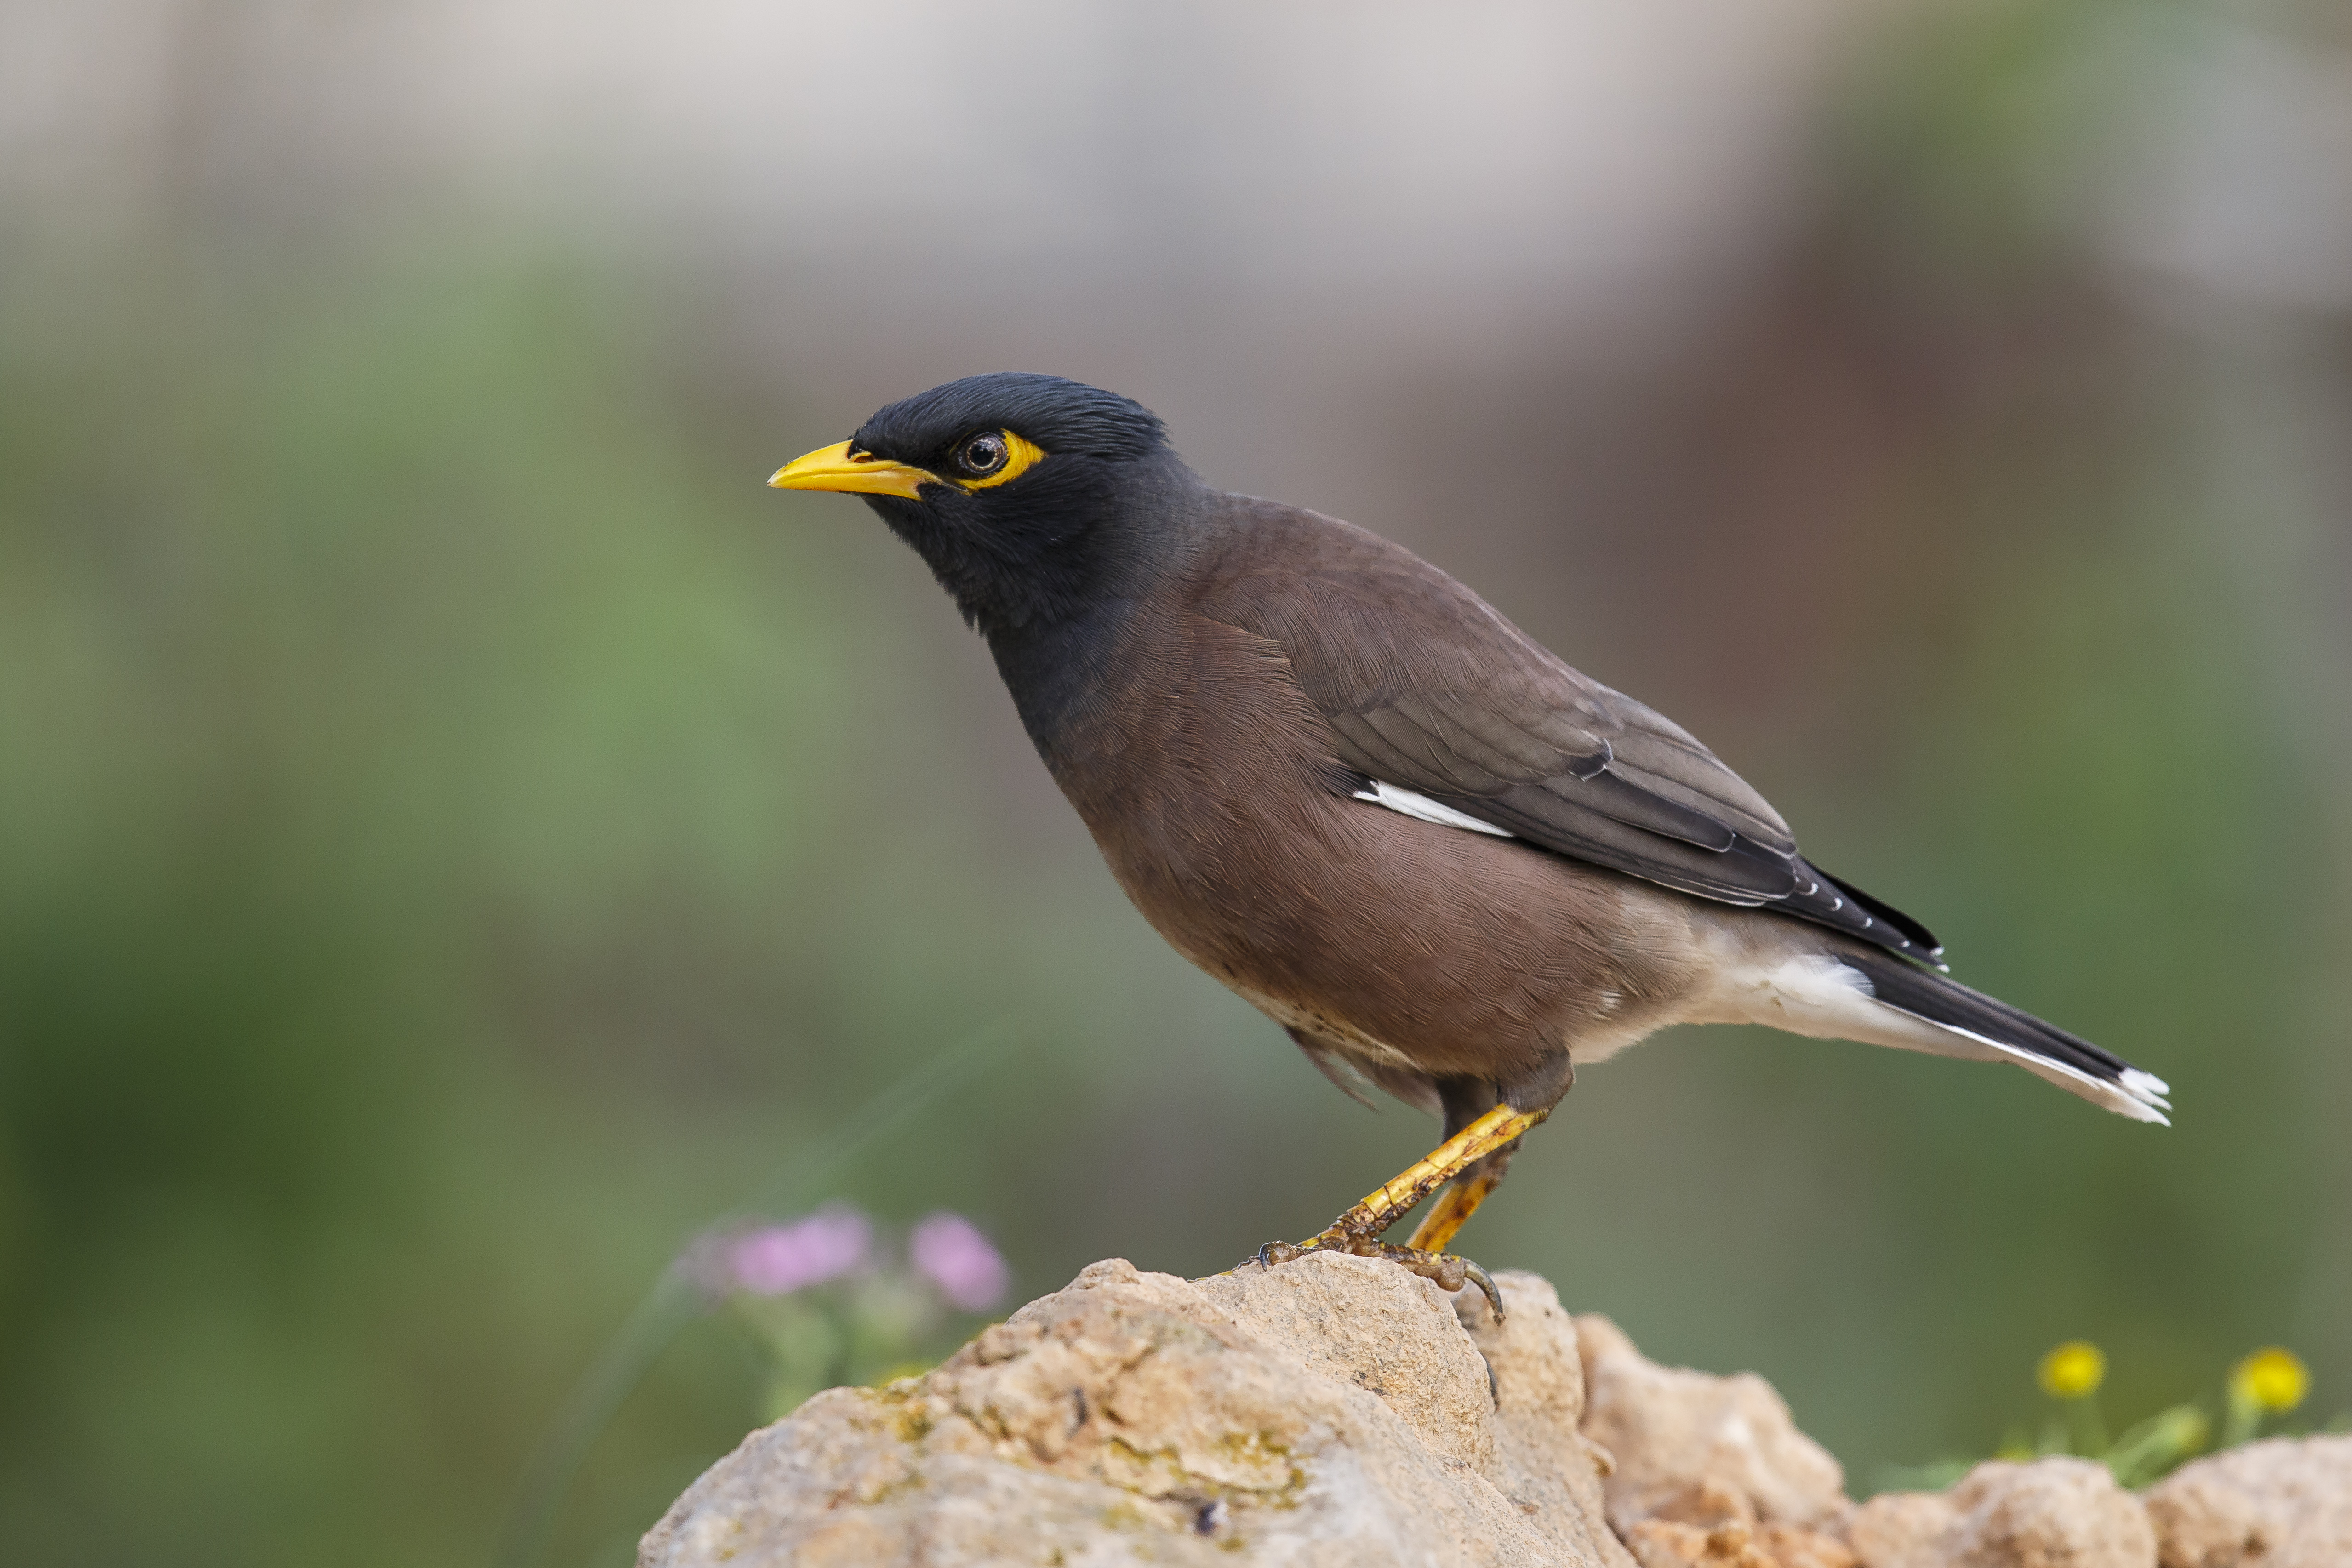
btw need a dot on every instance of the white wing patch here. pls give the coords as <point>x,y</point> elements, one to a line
<point>1398,798</point>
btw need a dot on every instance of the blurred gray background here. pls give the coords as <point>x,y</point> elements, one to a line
<point>459,833</point>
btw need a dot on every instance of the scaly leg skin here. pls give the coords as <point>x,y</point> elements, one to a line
<point>1357,1230</point>
<point>1453,1208</point>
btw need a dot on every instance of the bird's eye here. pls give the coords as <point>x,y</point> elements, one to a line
<point>982,454</point>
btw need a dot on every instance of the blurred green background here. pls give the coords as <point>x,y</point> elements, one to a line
<point>459,833</point>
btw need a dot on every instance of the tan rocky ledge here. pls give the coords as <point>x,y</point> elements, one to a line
<point>1339,1411</point>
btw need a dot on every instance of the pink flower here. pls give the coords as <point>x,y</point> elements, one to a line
<point>952,1254</point>
<point>777,1260</point>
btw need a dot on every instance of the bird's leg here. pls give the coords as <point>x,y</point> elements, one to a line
<point>1389,1202</point>
<point>1357,1230</point>
<point>1457,1203</point>
<point>1464,1101</point>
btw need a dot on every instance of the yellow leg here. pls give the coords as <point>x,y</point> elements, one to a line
<point>1453,1209</point>
<point>1357,1230</point>
<point>1385,1204</point>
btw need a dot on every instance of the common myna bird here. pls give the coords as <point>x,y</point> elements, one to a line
<point>1341,783</point>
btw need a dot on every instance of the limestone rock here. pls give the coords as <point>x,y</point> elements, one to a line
<point>1390,1340</point>
<point>1709,1525</point>
<point>1903,1530</point>
<point>1699,1449</point>
<point>1333,1411</point>
<point>1541,1457</point>
<point>1339,1411</point>
<point>2051,1513</point>
<point>2281,1503</point>
<point>1667,1543</point>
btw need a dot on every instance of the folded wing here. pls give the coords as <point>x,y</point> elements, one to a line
<point>1476,716</point>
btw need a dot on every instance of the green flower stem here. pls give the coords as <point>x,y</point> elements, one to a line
<point>675,1301</point>
<point>2150,1451</point>
<point>2087,1426</point>
<point>2242,1421</point>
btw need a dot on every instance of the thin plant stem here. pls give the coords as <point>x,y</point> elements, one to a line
<point>677,1300</point>
<point>2088,1426</point>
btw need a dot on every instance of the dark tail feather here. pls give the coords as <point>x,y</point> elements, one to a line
<point>1949,1004</point>
<point>1918,935</point>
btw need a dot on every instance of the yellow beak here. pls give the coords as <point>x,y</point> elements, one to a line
<point>836,468</point>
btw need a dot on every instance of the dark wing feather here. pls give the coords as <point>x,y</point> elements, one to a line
<point>1426,687</point>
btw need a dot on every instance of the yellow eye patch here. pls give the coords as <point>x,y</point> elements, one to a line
<point>1020,456</point>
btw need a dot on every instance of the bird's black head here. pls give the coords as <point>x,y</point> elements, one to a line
<point>1031,496</point>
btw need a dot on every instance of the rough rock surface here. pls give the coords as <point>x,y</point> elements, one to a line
<point>1542,1458</point>
<point>2051,1513</point>
<point>2283,1503</point>
<point>1333,1411</point>
<point>1339,1410</point>
<point>1704,1450</point>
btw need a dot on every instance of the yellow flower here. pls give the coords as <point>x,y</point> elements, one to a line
<point>2272,1379</point>
<point>2073,1370</point>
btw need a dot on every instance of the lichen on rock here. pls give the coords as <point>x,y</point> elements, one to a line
<point>1332,1411</point>
<point>1339,1411</point>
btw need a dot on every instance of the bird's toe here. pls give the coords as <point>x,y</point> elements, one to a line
<point>1447,1271</point>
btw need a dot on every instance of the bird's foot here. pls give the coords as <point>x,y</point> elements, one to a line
<point>1445,1269</point>
<point>1358,1231</point>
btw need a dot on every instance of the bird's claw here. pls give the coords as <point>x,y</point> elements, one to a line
<point>1447,1271</point>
